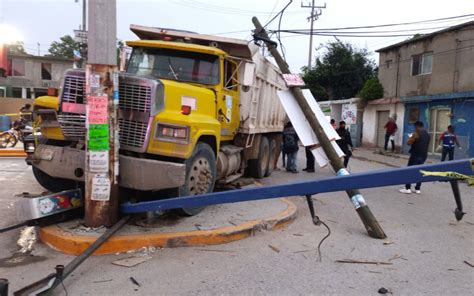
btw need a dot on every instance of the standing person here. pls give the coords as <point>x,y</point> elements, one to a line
<point>391,128</point>
<point>419,142</point>
<point>333,123</point>
<point>345,142</point>
<point>309,161</point>
<point>448,139</point>
<point>290,147</point>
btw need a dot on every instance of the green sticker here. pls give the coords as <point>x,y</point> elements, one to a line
<point>98,137</point>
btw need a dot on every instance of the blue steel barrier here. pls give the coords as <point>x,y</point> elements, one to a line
<point>371,179</point>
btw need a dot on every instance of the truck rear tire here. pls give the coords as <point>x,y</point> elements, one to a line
<point>271,160</point>
<point>258,167</point>
<point>51,183</point>
<point>200,176</point>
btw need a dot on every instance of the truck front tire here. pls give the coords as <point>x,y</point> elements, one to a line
<point>200,176</point>
<point>51,183</point>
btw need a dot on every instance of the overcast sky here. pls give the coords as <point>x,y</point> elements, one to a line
<point>43,21</point>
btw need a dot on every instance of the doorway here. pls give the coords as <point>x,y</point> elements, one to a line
<point>382,119</point>
<point>439,120</point>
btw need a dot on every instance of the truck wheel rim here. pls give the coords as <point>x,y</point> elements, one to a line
<point>200,177</point>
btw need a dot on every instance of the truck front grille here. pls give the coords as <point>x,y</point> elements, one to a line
<point>134,97</point>
<point>73,125</point>
<point>74,89</point>
<point>140,99</point>
<point>132,133</point>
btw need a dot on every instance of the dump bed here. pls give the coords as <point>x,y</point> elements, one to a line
<point>261,110</point>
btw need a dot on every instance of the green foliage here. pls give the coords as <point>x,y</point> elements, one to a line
<point>339,73</point>
<point>65,47</point>
<point>16,48</point>
<point>372,90</point>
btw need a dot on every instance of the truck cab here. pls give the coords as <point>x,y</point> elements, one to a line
<point>180,120</point>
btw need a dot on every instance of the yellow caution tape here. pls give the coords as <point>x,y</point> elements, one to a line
<point>16,114</point>
<point>454,175</point>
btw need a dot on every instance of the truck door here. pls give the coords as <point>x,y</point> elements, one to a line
<point>229,101</point>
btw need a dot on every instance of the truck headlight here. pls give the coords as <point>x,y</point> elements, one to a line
<point>172,133</point>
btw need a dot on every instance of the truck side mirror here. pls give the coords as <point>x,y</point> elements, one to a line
<point>249,74</point>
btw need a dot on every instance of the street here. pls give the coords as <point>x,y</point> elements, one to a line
<point>424,253</point>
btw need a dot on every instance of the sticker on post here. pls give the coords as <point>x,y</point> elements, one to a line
<point>94,80</point>
<point>97,109</point>
<point>98,137</point>
<point>293,80</point>
<point>100,188</point>
<point>358,201</point>
<point>99,161</point>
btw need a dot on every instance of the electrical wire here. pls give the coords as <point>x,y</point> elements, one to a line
<point>396,24</point>
<point>323,239</point>
<point>278,14</point>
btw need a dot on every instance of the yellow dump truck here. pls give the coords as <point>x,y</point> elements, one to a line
<point>194,110</point>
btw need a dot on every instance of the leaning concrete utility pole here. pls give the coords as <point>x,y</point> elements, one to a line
<point>369,220</point>
<point>101,188</point>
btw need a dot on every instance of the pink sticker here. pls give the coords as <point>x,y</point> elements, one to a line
<point>97,109</point>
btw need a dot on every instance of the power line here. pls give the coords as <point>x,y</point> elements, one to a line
<point>391,25</point>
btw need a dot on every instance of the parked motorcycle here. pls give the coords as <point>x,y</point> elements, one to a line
<point>20,129</point>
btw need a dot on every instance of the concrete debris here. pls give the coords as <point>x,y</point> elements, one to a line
<point>131,261</point>
<point>387,242</point>
<point>81,228</point>
<point>27,239</point>
<point>144,251</point>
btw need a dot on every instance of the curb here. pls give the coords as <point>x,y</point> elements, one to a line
<point>71,244</point>
<point>12,153</point>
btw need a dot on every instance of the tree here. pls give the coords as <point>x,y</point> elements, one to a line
<point>339,73</point>
<point>65,47</point>
<point>16,48</point>
<point>372,89</point>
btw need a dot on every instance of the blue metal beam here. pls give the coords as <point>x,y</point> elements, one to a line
<point>369,179</point>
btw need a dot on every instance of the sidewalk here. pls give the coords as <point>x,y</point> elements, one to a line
<point>388,159</point>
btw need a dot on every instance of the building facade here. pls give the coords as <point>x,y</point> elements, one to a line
<point>433,76</point>
<point>29,77</point>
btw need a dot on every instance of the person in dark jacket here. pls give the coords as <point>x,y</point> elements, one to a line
<point>290,147</point>
<point>419,142</point>
<point>345,142</point>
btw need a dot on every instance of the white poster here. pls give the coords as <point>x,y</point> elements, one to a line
<point>302,127</point>
<point>349,113</point>
<point>99,161</point>
<point>100,187</point>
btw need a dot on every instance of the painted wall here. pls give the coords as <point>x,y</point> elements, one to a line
<point>462,118</point>
<point>369,130</point>
<point>452,71</point>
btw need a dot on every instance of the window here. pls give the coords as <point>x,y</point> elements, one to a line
<point>230,80</point>
<point>175,65</point>
<point>17,92</point>
<point>422,64</point>
<point>388,64</point>
<point>45,71</point>
<point>18,68</point>
<point>3,92</point>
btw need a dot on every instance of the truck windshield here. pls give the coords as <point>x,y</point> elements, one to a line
<point>175,65</point>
